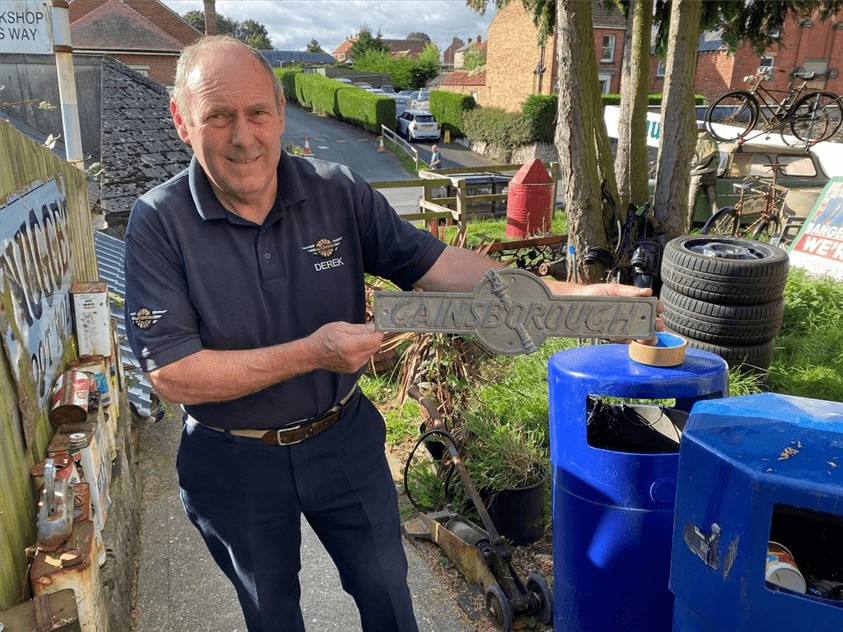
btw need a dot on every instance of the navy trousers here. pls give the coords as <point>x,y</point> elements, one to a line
<point>247,498</point>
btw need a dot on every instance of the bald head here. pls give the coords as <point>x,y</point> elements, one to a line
<point>208,52</point>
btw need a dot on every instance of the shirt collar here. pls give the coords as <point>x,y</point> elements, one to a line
<point>291,191</point>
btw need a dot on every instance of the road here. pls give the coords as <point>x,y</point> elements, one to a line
<point>357,148</point>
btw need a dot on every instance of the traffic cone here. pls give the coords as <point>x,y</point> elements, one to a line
<point>380,144</point>
<point>307,151</point>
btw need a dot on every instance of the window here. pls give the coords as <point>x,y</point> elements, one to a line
<point>605,83</point>
<point>144,70</point>
<point>766,61</point>
<point>660,68</point>
<point>607,53</point>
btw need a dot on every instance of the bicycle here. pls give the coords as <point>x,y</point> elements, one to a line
<point>760,201</point>
<point>810,115</point>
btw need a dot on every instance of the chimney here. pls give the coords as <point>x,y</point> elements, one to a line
<point>479,39</point>
<point>469,40</point>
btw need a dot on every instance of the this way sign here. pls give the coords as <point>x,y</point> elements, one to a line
<point>26,27</point>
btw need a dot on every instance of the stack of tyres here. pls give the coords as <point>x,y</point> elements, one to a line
<point>725,295</point>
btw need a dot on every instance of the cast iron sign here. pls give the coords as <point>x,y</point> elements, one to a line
<point>512,311</point>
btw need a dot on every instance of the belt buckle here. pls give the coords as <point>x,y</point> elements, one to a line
<point>281,431</point>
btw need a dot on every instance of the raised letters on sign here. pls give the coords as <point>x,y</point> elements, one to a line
<point>513,311</point>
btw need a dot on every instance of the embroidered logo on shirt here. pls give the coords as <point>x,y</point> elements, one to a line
<point>324,247</point>
<point>145,318</point>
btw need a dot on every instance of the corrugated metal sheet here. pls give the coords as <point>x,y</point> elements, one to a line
<point>110,252</point>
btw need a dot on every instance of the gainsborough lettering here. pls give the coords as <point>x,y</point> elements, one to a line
<point>512,312</point>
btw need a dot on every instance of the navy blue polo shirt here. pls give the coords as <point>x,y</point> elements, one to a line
<point>199,277</point>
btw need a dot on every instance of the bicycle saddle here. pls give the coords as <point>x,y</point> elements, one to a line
<point>807,75</point>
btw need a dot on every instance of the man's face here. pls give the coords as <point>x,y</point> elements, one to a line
<point>234,125</point>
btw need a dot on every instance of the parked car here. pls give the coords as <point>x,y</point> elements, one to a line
<point>388,88</point>
<point>481,183</point>
<point>363,84</point>
<point>418,125</point>
<point>402,103</point>
<point>801,172</point>
<point>344,80</point>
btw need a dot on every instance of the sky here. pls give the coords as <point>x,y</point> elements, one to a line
<point>292,24</point>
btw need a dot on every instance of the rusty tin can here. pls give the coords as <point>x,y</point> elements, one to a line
<point>70,398</point>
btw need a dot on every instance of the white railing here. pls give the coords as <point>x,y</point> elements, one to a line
<point>411,151</point>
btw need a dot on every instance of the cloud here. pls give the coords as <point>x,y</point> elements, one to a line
<point>293,23</point>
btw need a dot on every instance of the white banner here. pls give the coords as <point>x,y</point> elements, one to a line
<point>26,27</point>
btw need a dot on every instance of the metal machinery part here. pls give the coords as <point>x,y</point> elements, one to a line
<point>481,554</point>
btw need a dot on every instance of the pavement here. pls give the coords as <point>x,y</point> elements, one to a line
<point>180,589</point>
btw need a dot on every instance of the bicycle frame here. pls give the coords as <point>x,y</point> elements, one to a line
<point>765,206</point>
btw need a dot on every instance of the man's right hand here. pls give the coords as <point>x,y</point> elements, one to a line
<point>344,347</point>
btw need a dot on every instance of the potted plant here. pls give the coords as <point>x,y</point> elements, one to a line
<point>508,461</point>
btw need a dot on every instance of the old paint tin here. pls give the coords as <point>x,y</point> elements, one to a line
<point>95,365</point>
<point>782,569</point>
<point>70,398</point>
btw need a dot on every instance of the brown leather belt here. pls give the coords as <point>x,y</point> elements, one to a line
<point>294,433</point>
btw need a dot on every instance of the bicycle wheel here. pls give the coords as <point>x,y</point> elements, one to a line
<point>731,116</point>
<point>816,116</point>
<point>723,222</point>
<point>763,228</point>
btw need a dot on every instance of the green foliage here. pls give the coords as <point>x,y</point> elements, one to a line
<point>449,109</point>
<point>497,126</point>
<point>404,73</point>
<point>250,32</point>
<point>474,58</point>
<point>808,359</point>
<point>287,77</point>
<point>314,47</point>
<point>539,111</point>
<point>367,110</point>
<point>367,42</point>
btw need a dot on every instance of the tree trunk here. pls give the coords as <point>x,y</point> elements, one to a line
<point>631,164</point>
<point>679,131</point>
<point>210,17</point>
<point>581,138</point>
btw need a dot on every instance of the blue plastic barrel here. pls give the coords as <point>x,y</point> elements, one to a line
<point>613,509</point>
<point>754,470</point>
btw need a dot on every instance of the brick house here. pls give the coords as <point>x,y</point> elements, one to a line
<point>145,35</point>
<point>517,65</point>
<point>459,54</point>
<point>397,48</point>
<point>448,53</point>
<point>808,44</point>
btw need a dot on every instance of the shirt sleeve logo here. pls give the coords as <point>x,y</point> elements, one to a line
<point>324,247</point>
<point>145,318</point>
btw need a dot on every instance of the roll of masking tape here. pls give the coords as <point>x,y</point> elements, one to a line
<point>668,350</point>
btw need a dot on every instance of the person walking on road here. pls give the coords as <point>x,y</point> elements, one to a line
<point>245,303</point>
<point>435,157</point>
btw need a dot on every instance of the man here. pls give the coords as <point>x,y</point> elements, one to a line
<point>435,157</point>
<point>246,304</point>
<point>704,166</point>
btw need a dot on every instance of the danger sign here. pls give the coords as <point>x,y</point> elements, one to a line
<point>26,27</point>
<point>819,245</point>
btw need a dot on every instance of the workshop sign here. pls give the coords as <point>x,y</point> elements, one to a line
<point>35,278</point>
<point>818,248</point>
<point>26,27</point>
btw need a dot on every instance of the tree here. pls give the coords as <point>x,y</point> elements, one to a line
<point>631,155</point>
<point>419,36</point>
<point>210,7</point>
<point>582,144</point>
<point>366,42</point>
<point>314,47</point>
<point>250,32</point>
<point>254,34</point>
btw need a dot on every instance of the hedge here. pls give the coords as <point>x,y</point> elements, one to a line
<point>449,109</point>
<point>287,76</point>
<point>367,110</point>
<point>497,127</point>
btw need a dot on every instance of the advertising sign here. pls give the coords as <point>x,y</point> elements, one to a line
<point>819,245</point>
<point>26,27</point>
<point>35,278</point>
